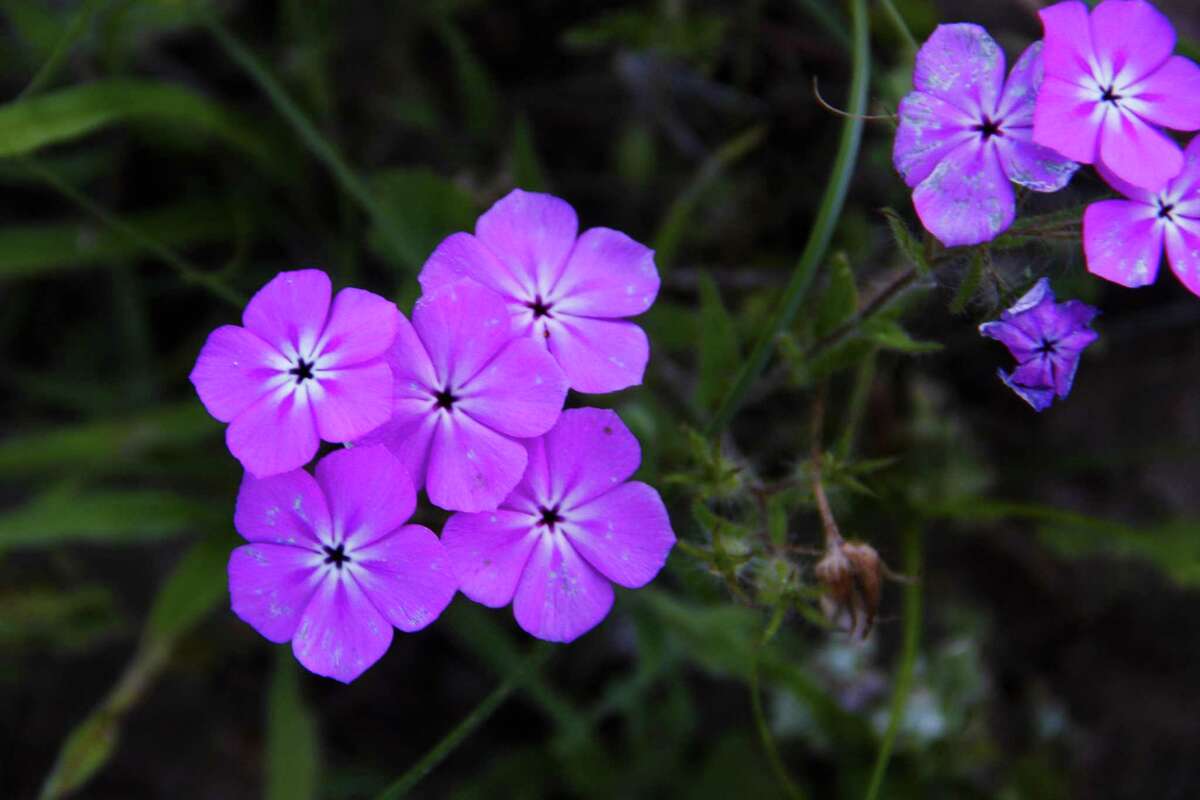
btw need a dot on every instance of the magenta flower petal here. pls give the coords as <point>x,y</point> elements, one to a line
<point>370,494</point>
<point>568,528</point>
<point>599,355</point>
<point>962,65</point>
<point>1122,242</point>
<point>408,577</point>
<point>1138,152</point>
<point>351,403</point>
<point>235,368</point>
<point>282,509</point>
<point>471,467</point>
<point>531,234</point>
<point>489,552</point>
<point>462,325</point>
<point>408,436</point>
<point>1131,39</point>
<point>1020,90</point>
<point>930,128</point>
<point>1183,251</point>
<point>1067,120</point>
<point>625,534</point>
<point>341,633</point>
<point>289,312</point>
<point>1067,46</point>
<point>462,255</point>
<point>361,327</point>
<point>520,393</point>
<point>560,596</point>
<point>968,199</point>
<point>332,565</point>
<point>1168,96</point>
<point>1033,386</point>
<point>270,587</point>
<point>608,275</point>
<point>276,434</point>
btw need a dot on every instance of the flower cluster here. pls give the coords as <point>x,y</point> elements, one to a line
<point>1103,87</point>
<point>465,401</point>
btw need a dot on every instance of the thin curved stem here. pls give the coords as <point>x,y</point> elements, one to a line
<point>782,777</point>
<point>827,217</point>
<point>908,657</point>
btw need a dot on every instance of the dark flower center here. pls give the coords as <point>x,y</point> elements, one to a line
<point>1109,95</point>
<point>1165,210</point>
<point>336,555</point>
<point>539,307</point>
<point>445,399</point>
<point>1048,347</point>
<point>988,128</point>
<point>303,370</point>
<point>550,517</point>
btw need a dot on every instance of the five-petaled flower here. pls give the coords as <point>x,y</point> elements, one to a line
<point>467,387</point>
<point>569,528</point>
<point>965,136</point>
<point>1124,239</point>
<point>570,294</point>
<point>299,371</point>
<point>1111,80</point>
<point>330,564</point>
<point>1046,338</point>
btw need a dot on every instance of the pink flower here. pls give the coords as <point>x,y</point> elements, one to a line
<point>300,371</point>
<point>466,388</point>
<point>569,528</point>
<point>965,136</point>
<point>331,566</point>
<point>1111,81</point>
<point>1124,239</point>
<point>569,294</point>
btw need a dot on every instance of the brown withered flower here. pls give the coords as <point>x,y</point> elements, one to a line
<point>852,573</point>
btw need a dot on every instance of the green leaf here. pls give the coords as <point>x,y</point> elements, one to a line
<point>34,250</point>
<point>68,619</point>
<point>719,351</point>
<point>68,513</point>
<point>528,172</point>
<point>908,244</point>
<point>192,590</point>
<point>30,124</point>
<point>422,208</point>
<point>293,752</point>
<point>839,302</point>
<point>477,94</point>
<point>86,750</point>
<point>888,334</point>
<point>980,260</point>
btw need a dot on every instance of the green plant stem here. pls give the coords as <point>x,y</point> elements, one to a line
<point>864,379</point>
<point>782,777</point>
<point>827,217</point>
<point>188,271</point>
<point>62,48</point>
<point>908,656</point>
<point>408,781</point>
<point>312,139</point>
<point>902,28</point>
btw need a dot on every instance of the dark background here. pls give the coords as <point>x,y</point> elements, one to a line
<point>1061,552</point>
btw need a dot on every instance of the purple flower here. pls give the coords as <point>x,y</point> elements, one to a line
<point>569,528</point>
<point>1110,82</point>
<point>1046,338</point>
<point>965,136</point>
<point>569,294</point>
<point>300,371</point>
<point>1124,239</point>
<point>331,565</point>
<point>466,388</point>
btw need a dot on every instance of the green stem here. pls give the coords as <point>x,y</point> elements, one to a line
<point>827,217</point>
<point>782,777</point>
<point>908,657</point>
<point>408,781</point>
<point>902,28</point>
<point>188,271</point>
<point>62,48</point>
<point>317,144</point>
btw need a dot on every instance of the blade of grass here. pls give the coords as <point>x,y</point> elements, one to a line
<point>902,28</point>
<point>75,29</point>
<point>827,217</point>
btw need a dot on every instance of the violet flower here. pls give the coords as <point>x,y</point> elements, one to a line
<point>965,136</point>
<point>1046,338</point>
<point>570,528</point>
<point>570,294</point>
<point>467,387</point>
<point>1124,239</point>
<point>331,566</point>
<point>1111,83</point>
<point>299,371</point>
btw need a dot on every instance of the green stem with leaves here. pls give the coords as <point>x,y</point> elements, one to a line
<point>828,214</point>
